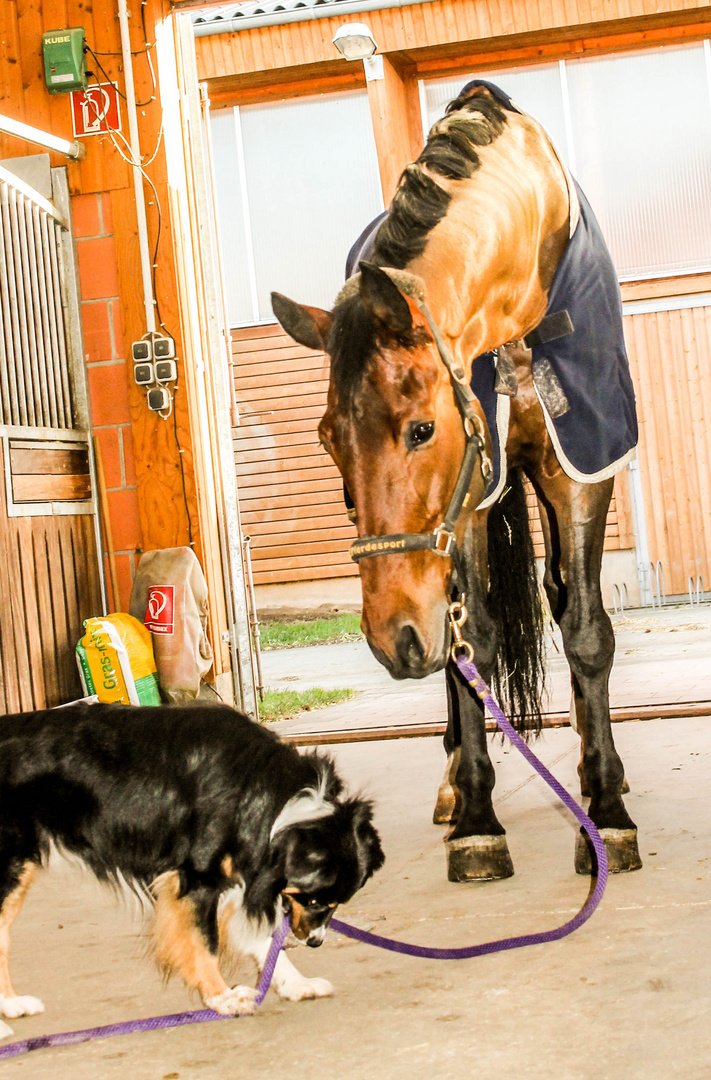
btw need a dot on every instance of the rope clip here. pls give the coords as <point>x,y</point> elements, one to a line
<point>457,614</point>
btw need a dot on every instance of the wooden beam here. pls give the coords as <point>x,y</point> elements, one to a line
<point>395,112</point>
<point>683,285</point>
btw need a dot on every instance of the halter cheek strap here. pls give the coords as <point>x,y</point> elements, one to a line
<point>442,540</point>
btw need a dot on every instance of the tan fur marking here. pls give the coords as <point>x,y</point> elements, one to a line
<point>178,944</point>
<point>8,913</point>
<point>229,869</point>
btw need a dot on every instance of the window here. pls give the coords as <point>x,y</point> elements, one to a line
<point>635,130</point>
<point>297,182</point>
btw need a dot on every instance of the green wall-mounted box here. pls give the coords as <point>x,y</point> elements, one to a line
<point>64,61</point>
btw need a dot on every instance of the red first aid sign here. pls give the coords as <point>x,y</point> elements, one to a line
<point>161,605</point>
<point>95,110</point>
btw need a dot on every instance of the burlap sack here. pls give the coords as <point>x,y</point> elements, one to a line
<point>170,596</point>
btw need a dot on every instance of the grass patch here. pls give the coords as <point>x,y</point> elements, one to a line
<point>296,635</point>
<point>285,704</point>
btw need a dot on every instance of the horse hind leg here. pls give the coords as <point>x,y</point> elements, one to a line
<point>577,514</point>
<point>14,884</point>
<point>577,722</point>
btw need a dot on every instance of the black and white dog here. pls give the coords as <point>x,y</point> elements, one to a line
<point>222,825</point>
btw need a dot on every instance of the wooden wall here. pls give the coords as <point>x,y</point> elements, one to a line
<point>46,593</point>
<point>24,96</point>
<point>291,493</point>
<point>151,464</point>
<point>670,356</point>
<point>441,37</point>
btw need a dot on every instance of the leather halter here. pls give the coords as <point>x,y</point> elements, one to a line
<point>442,540</point>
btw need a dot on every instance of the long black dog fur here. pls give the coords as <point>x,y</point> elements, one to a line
<point>201,800</point>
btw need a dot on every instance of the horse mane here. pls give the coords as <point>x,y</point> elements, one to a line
<point>352,339</point>
<point>474,119</point>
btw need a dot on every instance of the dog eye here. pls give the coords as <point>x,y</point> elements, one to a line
<point>419,433</point>
<point>313,902</point>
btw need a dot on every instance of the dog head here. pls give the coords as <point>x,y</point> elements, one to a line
<point>325,860</point>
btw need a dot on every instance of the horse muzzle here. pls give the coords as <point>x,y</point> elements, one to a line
<point>408,655</point>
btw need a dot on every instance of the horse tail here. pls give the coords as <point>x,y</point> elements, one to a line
<point>515,605</point>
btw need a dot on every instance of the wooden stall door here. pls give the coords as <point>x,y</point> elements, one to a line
<point>670,358</point>
<point>50,573</point>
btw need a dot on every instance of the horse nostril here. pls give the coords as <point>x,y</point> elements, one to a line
<point>411,651</point>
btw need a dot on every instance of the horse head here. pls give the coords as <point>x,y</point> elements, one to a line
<point>393,428</point>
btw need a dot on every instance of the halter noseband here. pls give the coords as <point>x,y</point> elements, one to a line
<point>442,540</point>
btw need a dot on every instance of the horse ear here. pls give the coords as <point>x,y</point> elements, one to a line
<point>380,294</point>
<point>309,326</point>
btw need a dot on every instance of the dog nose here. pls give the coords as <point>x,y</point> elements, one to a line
<point>316,937</point>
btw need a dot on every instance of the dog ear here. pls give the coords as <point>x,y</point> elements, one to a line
<point>304,862</point>
<point>366,838</point>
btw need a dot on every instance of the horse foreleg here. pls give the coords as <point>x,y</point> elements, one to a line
<point>449,797</point>
<point>580,512</point>
<point>476,848</point>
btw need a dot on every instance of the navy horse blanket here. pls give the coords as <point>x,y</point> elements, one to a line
<point>582,379</point>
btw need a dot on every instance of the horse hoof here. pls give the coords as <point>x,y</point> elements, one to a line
<point>478,858</point>
<point>449,799</point>
<point>621,848</point>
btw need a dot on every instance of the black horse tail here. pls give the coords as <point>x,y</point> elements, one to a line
<point>515,605</point>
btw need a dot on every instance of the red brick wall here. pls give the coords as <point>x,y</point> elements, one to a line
<point>108,380</point>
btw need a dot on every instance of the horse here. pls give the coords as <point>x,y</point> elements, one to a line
<point>446,389</point>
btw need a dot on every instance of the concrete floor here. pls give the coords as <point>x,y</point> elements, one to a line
<point>627,996</point>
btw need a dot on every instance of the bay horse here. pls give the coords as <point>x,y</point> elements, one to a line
<point>451,302</point>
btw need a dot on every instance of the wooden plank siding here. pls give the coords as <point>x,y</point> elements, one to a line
<point>259,63</point>
<point>291,494</point>
<point>670,357</point>
<point>48,587</point>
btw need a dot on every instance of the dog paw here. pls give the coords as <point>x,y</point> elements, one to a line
<point>5,1030</point>
<point>302,989</point>
<point>20,1006</point>
<point>239,1001</point>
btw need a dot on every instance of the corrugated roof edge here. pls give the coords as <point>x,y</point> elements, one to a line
<point>247,16</point>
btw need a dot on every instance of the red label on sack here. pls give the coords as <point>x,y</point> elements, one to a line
<point>159,613</point>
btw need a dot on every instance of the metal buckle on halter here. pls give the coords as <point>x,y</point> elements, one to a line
<point>449,539</point>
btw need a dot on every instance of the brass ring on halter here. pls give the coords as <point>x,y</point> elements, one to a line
<point>467,649</point>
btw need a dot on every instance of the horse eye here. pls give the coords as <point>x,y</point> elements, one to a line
<point>420,433</point>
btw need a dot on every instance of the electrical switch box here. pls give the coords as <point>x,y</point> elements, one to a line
<point>163,348</point>
<point>144,373</point>
<point>159,399</point>
<point>166,371</point>
<point>64,60</point>
<point>141,350</point>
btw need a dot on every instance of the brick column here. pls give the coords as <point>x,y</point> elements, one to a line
<point>108,380</point>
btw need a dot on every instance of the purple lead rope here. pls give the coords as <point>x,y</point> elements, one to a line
<point>470,673</point>
<point>153,1023</point>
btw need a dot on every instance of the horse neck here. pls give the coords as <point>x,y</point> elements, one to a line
<point>489,263</point>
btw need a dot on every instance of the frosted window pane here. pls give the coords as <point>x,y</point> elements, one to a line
<point>536,90</point>
<point>230,217</point>
<point>313,185</point>
<point>642,131</point>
